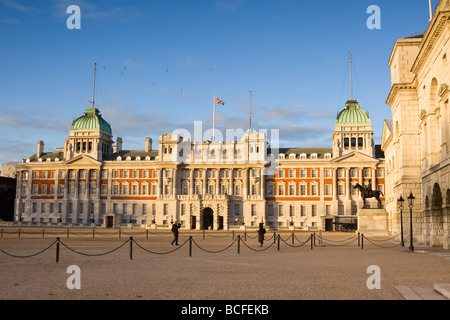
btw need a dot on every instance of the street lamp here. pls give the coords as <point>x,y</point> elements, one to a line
<point>400,205</point>
<point>411,205</point>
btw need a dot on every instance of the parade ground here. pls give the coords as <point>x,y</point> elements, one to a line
<point>219,265</point>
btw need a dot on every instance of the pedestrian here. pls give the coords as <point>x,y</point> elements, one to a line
<point>261,232</point>
<point>175,232</point>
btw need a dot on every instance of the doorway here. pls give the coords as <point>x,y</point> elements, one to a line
<point>110,222</point>
<point>328,224</point>
<point>207,219</point>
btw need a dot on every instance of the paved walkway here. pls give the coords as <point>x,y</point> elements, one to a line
<point>339,270</point>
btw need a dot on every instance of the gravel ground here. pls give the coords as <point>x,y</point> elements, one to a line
<point>330,272</point>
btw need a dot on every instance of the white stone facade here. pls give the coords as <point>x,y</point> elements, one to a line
<point>416,141</point>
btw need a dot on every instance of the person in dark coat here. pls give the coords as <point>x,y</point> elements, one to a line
<point>175,232</point>
<point>261,232</point>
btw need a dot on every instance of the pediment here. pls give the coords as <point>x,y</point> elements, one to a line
<point>83,160</point>
<point>355,157</point>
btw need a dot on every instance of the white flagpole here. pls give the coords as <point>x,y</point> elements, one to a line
<point>214,119</point>
<point>431,11</point>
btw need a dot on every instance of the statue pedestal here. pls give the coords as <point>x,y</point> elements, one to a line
<point>373,222</point>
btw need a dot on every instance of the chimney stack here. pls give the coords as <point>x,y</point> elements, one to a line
<point>40,148</point>
<point>148,144</point>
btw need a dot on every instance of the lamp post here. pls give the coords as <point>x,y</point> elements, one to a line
<point>400,205</point>
<point>411,205</point>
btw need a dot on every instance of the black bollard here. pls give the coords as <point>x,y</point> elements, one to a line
<point>292,237</point>
<point>131,248</point>
<point>278,242</point>
<point>359,240</point>
<point>239,244</point>
<point>190,246</point>
<point>362,241</point>
<point>312,241</point>
<point>57,250</point>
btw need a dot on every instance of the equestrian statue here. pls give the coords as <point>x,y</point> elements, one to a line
<point>367,192</point>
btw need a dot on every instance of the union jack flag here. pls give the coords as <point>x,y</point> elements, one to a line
<point>218,101</point>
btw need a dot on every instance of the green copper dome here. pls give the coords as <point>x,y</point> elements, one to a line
<point>352,115</point>
<point>91,120</point>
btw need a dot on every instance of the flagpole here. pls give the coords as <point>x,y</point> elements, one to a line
<point>431,11</point>
<point>214,118</point>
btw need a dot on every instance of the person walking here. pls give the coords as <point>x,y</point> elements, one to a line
<point>176,233</point>
<point>261,232</point>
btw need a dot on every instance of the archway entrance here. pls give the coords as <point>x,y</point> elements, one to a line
<point>207,219</point>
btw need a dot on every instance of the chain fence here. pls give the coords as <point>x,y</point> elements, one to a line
<point>276,239</point>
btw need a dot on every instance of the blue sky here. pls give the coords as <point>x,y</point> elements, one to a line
<point>161,62</point>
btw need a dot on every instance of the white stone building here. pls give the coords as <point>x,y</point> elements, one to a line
<point>416,141</point>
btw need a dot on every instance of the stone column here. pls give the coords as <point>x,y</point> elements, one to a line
<point>231,187</point>
<point>334,172</point>
<point>174,183</point>
<point>191,181</point>
<point>245,184</point>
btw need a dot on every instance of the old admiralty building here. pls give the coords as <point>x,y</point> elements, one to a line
<point>92,180</point>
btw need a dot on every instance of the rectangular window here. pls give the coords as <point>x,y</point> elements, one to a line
<point>303,210</point>
<point>303,190</point>
<point>253,210</point>
<point>165,209</point>
<point>346,142</point>
<point>34,207</point>
<point>353,142</point>
<point>236,209</point>
<point>328,189</point>
<point>280,210</point>
<point>341,189</point>
<point>360,142</point>
<point>144,208</point>
<point>292,190</point>
<point>291,210</point>
<point>183,209</point>
<point>270,210</point>
<point>314,190</point>
<point>314,210</point>
<point>291,173</point>
<point>281,189</point>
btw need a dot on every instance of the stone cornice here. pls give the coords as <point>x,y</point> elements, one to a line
<point>430,38</point>
<point>396,87</point>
